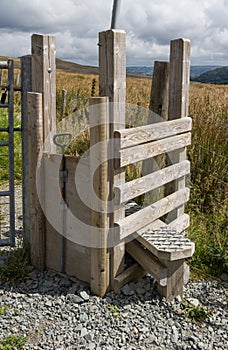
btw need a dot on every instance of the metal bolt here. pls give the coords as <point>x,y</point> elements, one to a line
<point>49,70</point>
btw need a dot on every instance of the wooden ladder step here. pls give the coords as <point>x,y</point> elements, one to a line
<point>167,244</point>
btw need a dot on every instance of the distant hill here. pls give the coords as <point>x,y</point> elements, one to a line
<point>148,71</point>
<point>215,76</point>
<point>204,74</point>
<point>72,67</point>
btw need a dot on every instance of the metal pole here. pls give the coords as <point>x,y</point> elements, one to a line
<point>114,13</point>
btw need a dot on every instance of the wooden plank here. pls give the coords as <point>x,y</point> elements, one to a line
<point>180,225</point>
<point>148,261</point>
<point>132,273</point>
<point>44,78</point>
<point>137,187</point>
<point>175,280</point>
<point>26,86</point>
<point>98,115</point>
<point>147,133</point>
<point>167,244</point>
<point>112,83</point>
<point>135,154</point>
<point>136,221</point>
<point>178,103</point>
<point>35,143</point>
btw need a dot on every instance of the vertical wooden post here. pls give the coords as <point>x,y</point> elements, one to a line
<point>178,103</point>
<point>26,86</point>
<point>44,78</point>
<point>112,83</point>
<point>159,97</point>
<point>35,143</point>
<point>99,174</point>
<point>178,108</point>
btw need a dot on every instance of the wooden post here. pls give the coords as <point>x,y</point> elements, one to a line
<point>44,78</point>
<point>159,97</point>
<point>35,143</point>
<point>178,104</point>
<point>26,86</point>
<point>112,83</point>
<point>178,108</point>
<point>99,174</point>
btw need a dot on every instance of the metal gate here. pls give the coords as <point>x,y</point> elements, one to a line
<point>7,129</point>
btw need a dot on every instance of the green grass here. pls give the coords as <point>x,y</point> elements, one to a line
<point>15,268</point>
<point>4,159</point>
<point>195,314</point>
<point>13,342</point>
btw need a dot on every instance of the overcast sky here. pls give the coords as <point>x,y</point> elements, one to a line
<point>149,24</point>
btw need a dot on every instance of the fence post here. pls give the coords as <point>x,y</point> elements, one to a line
<point>44,78</point>
<point>112,83</point>
<point>26,86</point>
<point>178,103</point>
<point>159,97</point>
<point>98,115</point>
<point>35,143</point>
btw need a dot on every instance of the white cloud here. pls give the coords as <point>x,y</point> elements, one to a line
<point>149,25</point>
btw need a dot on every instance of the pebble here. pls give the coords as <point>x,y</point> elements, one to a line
<point>67,316</point>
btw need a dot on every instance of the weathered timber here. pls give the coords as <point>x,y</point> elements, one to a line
<point>98,115</point>
<point>44,78</point>
<point>136,221</point>
<point>167,244</point>
<point>112,83</point>
<point>178,103</point>
<point>137,187</point>
<point>152,132</point>
<point>148,261</point>
<point>144,151</point>
<point>132,273</point>
<point>180,225</point>
<point>35,143</point>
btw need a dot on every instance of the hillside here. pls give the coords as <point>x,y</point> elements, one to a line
<point>148,71</point>
<point>215,76</point>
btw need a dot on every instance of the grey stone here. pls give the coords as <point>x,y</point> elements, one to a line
<point>84,295</point>
<point>73,298</point>
<point>126,290</point>
<point>224,277</point>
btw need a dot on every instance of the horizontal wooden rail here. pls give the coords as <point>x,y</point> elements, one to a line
<point>138,220</point>
<point>147,133</point>
<point>180,224</point>
<point>135,154</point>
<point>137,187</point>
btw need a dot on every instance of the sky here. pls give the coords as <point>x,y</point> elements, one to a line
<point>149,27</point>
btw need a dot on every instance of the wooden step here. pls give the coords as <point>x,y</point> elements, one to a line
<point>167,244</point>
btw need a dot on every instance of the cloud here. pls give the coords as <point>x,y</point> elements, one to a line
<point>150,25</point>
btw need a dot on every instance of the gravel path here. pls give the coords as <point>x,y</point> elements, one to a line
<point>54,312</point>
<point>57,313</point>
